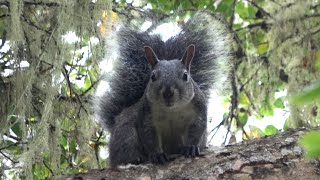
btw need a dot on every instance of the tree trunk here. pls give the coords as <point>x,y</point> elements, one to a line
<point>272,157</point>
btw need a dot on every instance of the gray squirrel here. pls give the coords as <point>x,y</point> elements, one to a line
<point>157,100</point>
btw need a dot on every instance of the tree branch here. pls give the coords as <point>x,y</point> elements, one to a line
<point>259,8</point>
<point>272,157</point>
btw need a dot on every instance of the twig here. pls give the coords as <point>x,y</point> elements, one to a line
<point>4,38</point>
<point>250,26</point>
<point>217,128</point>
<point>49,4</point>
<point>258,7</point>
<point>248,80</point>
<point>233,13</point>
<point>13,161</point>
<point>45,164</point>
<point>12,137</point>
<point>233,110</point>
<point>96,148</point>
<point>92,85</point>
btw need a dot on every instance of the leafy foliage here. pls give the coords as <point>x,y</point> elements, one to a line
<point>311,143</point>
<point>307,95</point>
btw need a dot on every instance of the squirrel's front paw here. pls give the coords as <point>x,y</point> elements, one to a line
<point>190,151</point>
<point>159,158</point>
<point>138,160</point>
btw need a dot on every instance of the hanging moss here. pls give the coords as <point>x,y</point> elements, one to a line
<point>291,40</point>
<point>47,106</point>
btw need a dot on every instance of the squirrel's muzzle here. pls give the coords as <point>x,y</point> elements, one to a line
<point>168,94</point>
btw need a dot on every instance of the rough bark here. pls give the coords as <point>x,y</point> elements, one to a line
<point>272,157</point>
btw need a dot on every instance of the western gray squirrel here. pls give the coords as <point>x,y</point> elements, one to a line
<point>157,100</point>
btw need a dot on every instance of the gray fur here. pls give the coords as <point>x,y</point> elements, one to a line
<point>148,118</point>
<point>210,66</point>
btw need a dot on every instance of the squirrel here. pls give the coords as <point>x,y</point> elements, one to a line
<point>156,104</point>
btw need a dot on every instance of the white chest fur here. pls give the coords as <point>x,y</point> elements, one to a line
<point>172,125</point>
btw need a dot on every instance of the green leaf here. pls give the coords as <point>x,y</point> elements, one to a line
<point>279,103</point>
<point>73,75</point>
<point>73,146</point>
<point>85,40</point>
<point>263,48</point>
<point>93,75</point>
<point>259,37</point>
<point>73,171</point>
<point>16,128</point>
<point>207,3</point>
<point>64,142</point>
<point>252,12</point>
<point>40,171</point>
<point>12,147</point>
<point>76,87</point>
<point>271,130</point>
<point>266,108</point>
<point>87,82</point>
<point>245,12</point>
<point>241,9</point>
<point>310,141</point>
<point>243,118</point>
<point>224,7</point>
<point>237,26</point>
<point>308,95</point>
<point>255,132</point>
<point>185,4</point>
<point>82,70</point>
<point>243,99</point>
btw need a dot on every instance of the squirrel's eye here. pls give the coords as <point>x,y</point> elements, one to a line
<point>185,76</point>
<point>153,77</point>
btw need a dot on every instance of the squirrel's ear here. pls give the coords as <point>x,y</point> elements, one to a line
<point>151,56</point>
<point>188,56</point>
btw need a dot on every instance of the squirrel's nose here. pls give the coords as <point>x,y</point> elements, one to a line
<point>168,93</point>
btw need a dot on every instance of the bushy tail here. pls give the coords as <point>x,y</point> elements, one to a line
<point>209,69</point>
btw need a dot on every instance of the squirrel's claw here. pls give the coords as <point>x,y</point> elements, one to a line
<point>190,151</point>
<point>159,158</point>
<point>137,161</point>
